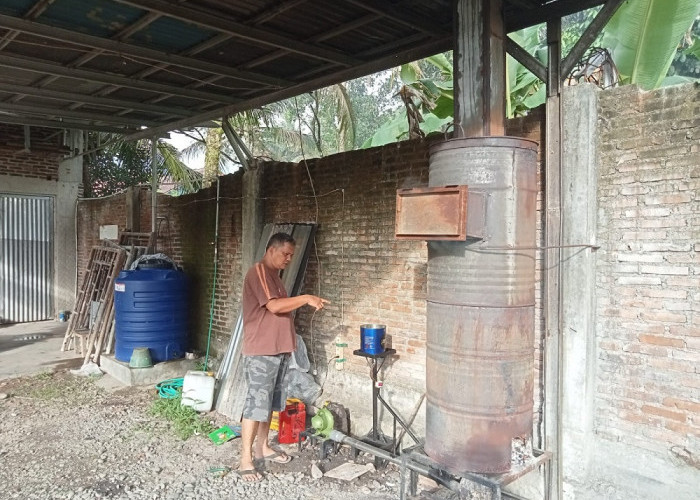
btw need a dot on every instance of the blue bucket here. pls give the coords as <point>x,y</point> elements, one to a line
<point>372,338</point>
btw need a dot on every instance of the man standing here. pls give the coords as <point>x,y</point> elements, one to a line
<point>268,339</point>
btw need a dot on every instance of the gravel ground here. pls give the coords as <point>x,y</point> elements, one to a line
<point>66,437</point>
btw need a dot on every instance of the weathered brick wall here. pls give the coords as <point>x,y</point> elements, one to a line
<point>186,234</point>
<point>368,276</point>
<point>356,263</point>
<point>648,275</point>
<point>93,213</point>
<point>40,162</point>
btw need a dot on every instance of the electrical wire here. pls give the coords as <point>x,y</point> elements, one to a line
<point>213,288</point>
<point>327,369</point>
<point>318,262</point>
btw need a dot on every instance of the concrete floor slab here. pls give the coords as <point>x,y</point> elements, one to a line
<point>31,348</point>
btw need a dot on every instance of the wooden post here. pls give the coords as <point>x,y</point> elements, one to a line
<point>553,192</point>
<point>480,69</point>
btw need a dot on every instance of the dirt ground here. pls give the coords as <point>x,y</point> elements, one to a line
<point>68,437</point>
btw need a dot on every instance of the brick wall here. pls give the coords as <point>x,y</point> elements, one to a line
<point>93,213</point>
<point>40,162</point>
<point>648,275</point>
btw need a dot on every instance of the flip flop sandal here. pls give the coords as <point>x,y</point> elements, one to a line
<point>279,457</point>
<point>250,472</point>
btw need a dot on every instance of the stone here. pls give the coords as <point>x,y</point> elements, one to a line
<point>316,472</point>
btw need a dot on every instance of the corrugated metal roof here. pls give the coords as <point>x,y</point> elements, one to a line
<point>121,65</point>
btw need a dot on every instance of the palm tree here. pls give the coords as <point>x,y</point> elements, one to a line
<point>114,164</point>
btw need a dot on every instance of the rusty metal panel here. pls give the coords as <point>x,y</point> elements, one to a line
<point>480,310</point>
<point>437,213</point>
<point>26,258</point>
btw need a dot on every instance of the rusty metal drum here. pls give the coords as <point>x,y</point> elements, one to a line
<point>480,310</point>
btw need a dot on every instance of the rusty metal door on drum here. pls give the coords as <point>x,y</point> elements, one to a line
<point>26,258</point>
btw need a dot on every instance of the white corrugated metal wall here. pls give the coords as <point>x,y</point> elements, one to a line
<point>26,258</point>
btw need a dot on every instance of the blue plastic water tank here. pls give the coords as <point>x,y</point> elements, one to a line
<point>150,310</point>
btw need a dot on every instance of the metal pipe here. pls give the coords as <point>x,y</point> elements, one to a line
<point>341,438</point>
<point>154,190</point>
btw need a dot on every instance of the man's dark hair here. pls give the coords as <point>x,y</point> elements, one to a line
<point>279,239</point>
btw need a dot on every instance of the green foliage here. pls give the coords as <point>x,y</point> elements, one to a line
<point>64,389</point>
<point>184,419</point>
<point>115,167</point>
<point>427,90</point>
<point>644,35</point>
<point>117,164</point>
<point>524,90</point>
<point>686,61</point>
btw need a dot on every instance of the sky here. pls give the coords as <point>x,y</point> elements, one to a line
<point>181,141</point>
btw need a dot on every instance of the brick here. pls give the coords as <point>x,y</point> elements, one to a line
<point>663,293</point>
<point>671,199</point>
<point>684,331</point>
<point>666,317</point>
<point>638,280</point>
<point>640,257</point>
<point>665,413</point>
<point>681,404</point>
<point>667,270</point>
<point>664,341</point>
<point>682,429</point>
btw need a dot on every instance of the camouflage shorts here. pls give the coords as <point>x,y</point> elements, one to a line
<point>267,390</point>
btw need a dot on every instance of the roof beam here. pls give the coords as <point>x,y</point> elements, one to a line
<point>240,30</point>
<point>526,59</point>
<point>75,97</point>
<point>39,66</point>
<point>275,11</point>
<point>319,38</point>
<point>390,11</point>
<point>548,12</point>
<point>589,35</point>
<point>43,122</point>
<point>120,48</point>
<point>35,11</point>
<point>398,58</point>
<point>81,115</point>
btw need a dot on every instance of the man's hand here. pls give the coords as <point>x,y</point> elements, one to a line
<point>288,304</point>
<point>317,302</point>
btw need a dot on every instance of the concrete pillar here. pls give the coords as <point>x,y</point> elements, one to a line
<point>70,177</point>
<point>577,281</point>
<point>252,214</point>
<point>133,209</point>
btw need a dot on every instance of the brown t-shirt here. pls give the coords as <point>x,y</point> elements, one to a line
<point>265,333</point>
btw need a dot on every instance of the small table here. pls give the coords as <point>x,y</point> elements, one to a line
<point>376,437</point>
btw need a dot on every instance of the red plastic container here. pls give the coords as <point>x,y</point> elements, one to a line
<point>292,421</point>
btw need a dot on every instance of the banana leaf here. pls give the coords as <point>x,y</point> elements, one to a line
<point>643,36</point>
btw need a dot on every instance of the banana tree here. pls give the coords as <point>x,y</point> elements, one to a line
<point>428,102</point>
